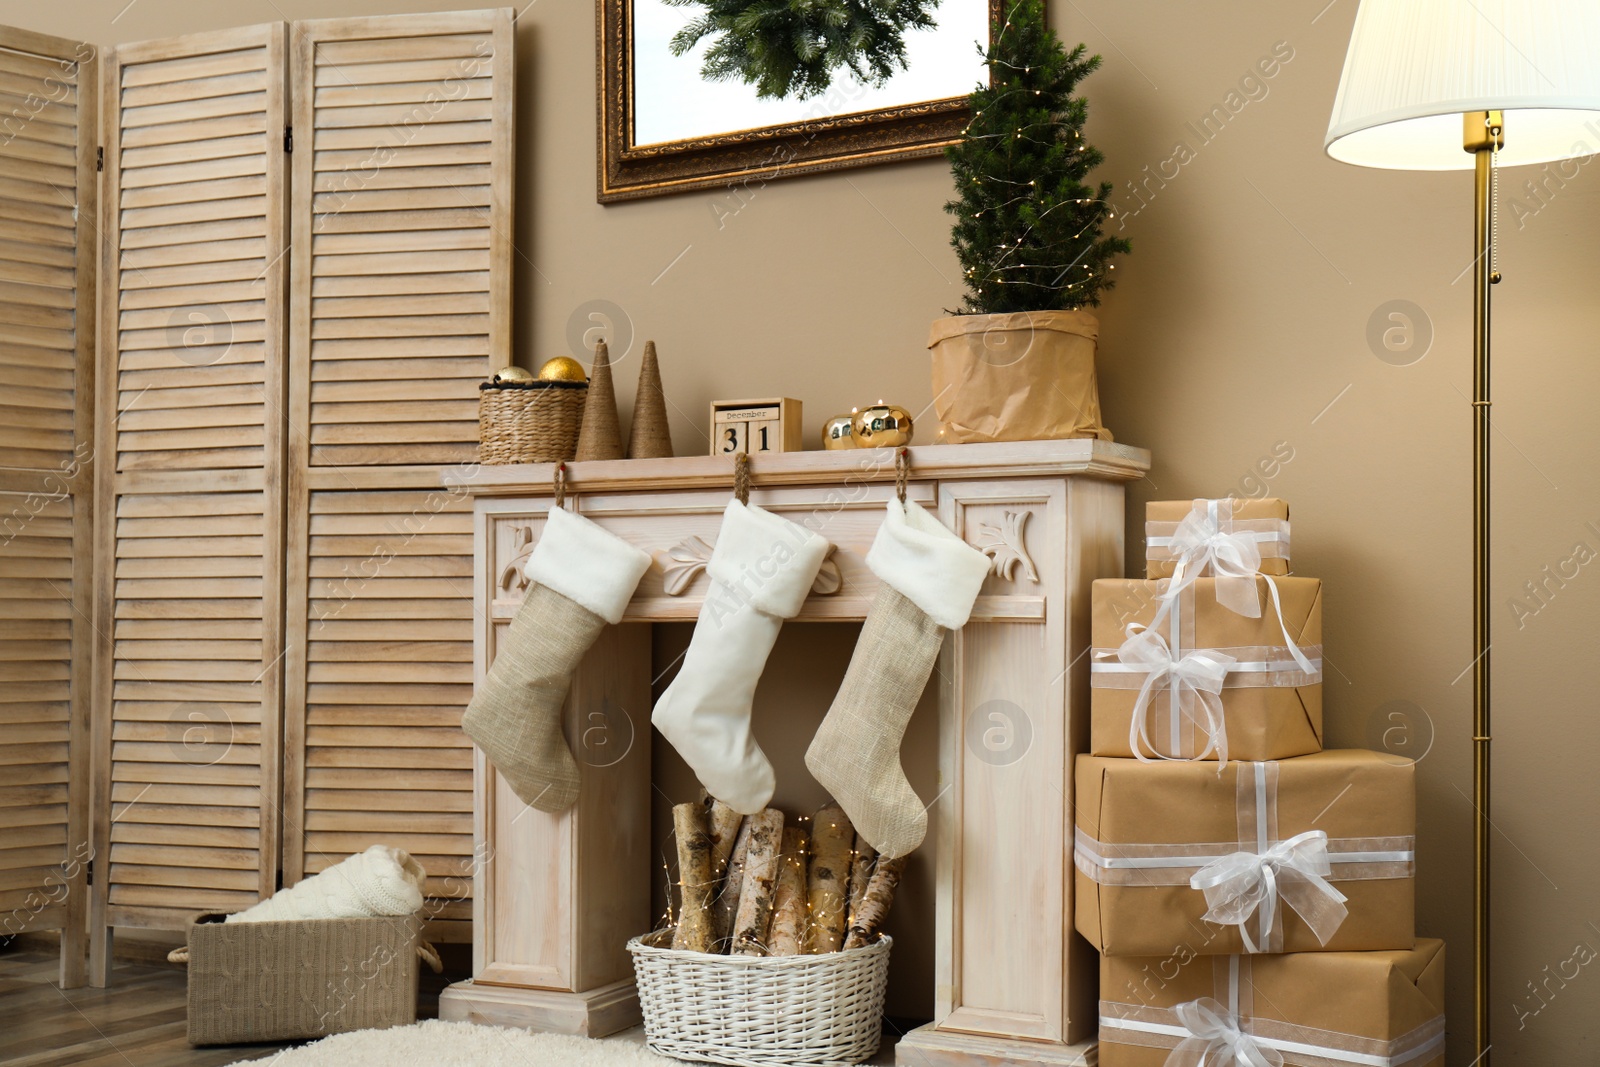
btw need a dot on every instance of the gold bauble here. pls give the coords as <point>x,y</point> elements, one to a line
<point>513,374</point>
<point>882,426</point>
<point>836,433</point>
<point>562,369</point>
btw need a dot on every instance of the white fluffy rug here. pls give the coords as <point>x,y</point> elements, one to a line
<point>452,1044</point>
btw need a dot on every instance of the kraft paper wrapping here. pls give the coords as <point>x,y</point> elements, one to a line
<point>1363,1001</point>
<point>1027,376</point>
<point>1264,717</point>
<point>1265,521</point>
<point>1364,801</point>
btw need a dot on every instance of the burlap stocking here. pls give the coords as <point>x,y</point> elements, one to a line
<point>583,578</point>
<point>930,579</point>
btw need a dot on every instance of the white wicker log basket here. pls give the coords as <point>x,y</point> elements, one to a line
<point>762,1011</point>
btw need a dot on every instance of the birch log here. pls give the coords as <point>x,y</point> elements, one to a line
<point>875,907</point>
<point>726,907</point>
<point>751,925</point>
<point>694,878</point>
<point>789,899</point>
<point>860,873</point>
<point>724,826</point>
<point>831,839</point>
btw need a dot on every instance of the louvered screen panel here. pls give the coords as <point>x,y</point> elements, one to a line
<point>195,149</point>
<point>188,692</point>
<point>39,159</point>
<point>36,710</point>
<point>191,566</point>
<point>48,132</point>
<point>402,231</point>
<point>401,307</point>
<point>388,670</point>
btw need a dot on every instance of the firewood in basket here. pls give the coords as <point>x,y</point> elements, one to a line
<point>860,873</point>
<point>725,908</point>
<point>724,825</point>
<point>694,878</point>
<point>789,900</point>
<point>760,875</point>
<point>829,883</point>
<point>875,906</point>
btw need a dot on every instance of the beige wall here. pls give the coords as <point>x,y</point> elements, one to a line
<point>1239,326</point>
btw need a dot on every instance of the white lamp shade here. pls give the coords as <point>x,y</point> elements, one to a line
<point>1415,66</point>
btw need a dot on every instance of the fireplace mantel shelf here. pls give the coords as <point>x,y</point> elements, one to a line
<point>1021,459</point>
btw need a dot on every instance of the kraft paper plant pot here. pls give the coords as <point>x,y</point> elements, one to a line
<point>1027,376</point>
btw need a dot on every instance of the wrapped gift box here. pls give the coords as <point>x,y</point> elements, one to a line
<point>1314,1009</point>
<point>1270,706</point>
<point>1313,853</point>
<point>1263,523</point>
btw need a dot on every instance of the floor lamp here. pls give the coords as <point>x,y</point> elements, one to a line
<point>1457,85</point>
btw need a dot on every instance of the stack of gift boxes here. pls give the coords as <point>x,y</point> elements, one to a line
<point>1250,893</point>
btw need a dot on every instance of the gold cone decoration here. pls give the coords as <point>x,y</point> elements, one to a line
<point>649,437</point>
<point>600,436</point>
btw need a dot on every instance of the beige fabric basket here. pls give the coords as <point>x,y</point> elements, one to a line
<point>762,1011</point>
<point>283,981</point>
<point>529,422</point>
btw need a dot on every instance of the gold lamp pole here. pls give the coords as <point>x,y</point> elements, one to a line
<point>1482,136</point>
<point>1414,69</point>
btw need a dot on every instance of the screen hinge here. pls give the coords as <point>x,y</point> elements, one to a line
<point>100,158</point>
<point>288,140</point>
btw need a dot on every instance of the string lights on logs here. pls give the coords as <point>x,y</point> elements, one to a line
<point>833,892</point>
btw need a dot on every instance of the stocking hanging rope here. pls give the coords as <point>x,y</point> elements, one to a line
<point>561,484</point>
<point>902,472</point>
<point>741,478</point>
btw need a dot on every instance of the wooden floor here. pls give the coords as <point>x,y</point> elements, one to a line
<point>138,1021</point>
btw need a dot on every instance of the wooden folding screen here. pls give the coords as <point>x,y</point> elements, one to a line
<point>48,136</point>
<point>402,265</point>
<point>190,488</point>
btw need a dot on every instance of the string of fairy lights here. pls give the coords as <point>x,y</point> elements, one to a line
<point>1006,251</point>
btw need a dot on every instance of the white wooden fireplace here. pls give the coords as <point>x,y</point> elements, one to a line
<point>557,897</point>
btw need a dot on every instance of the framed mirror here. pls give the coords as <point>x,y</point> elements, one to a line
<point>665,128</point>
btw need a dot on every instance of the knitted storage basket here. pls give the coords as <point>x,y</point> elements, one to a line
<point>762,1011</point>
<point>529,422</point>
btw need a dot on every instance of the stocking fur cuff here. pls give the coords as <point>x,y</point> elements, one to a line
<point>927,564</point>
<point>766,560</point>
<point>587,564</point>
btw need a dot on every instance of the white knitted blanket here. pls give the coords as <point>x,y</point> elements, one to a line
<point>379,881</point>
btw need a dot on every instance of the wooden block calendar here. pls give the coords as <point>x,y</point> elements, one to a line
<point>755,426</point>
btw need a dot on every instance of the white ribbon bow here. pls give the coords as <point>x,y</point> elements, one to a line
<point>1295,870</point>
<point>1215,1039</point>
<point>1234,559</point>
<point>1195,679</point>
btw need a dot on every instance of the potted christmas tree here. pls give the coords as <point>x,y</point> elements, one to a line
<point>1016,362</point>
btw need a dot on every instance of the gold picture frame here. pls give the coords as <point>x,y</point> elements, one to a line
<point>748,157</point>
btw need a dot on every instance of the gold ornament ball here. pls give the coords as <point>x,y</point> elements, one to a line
<point>513,374</point>
<point>837,433</point>
<point>881,426</point>
<point>562,369</point>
